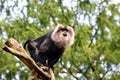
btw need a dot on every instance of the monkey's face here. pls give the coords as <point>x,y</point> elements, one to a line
<point>62,36</point>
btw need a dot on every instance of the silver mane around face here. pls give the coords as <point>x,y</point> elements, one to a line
<point>63,36</point>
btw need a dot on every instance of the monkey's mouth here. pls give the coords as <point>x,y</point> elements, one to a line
<point>64,35</point>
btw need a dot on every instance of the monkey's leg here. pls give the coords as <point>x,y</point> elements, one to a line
<point>42,57</point>
<point>52,61</point>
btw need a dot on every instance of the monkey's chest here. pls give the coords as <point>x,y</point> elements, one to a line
<point>53,51</point>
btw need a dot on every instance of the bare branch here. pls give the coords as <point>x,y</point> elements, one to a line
<point>13,47</point>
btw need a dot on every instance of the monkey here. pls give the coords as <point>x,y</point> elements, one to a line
<point>47,49</point>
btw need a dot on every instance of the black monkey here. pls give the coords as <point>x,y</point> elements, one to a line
<point>47,49</point>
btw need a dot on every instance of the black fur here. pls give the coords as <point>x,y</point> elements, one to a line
<point>44,51</point>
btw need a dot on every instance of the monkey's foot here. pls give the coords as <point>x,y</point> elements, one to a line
<point>45,68</point>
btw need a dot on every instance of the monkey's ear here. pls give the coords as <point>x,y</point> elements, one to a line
<point>70,29</point>
<point>59,26</point>
<point>72,34</point>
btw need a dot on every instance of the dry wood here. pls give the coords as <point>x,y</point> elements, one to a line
<point>13,47</point>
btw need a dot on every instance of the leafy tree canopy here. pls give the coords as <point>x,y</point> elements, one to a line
<point>95,54</point>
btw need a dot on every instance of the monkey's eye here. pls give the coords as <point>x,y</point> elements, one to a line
<point>64,29</point>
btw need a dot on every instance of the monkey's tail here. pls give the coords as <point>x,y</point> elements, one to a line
<point>26,43</point>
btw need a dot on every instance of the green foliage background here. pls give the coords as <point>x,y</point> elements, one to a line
<point>95,54</point>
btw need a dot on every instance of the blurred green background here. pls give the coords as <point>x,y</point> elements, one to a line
<point>95,54</point>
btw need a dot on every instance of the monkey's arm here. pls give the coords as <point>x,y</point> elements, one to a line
<point>45,45</point>
<point>44,42</point>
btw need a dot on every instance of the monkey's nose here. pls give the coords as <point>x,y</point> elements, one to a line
<point>65,35</point>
